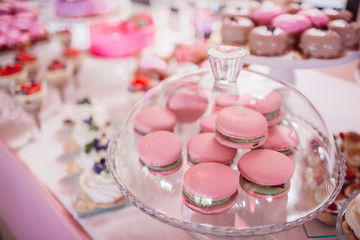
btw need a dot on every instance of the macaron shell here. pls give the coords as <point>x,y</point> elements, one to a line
<point>267,104</point>
<point>211,210</point>
<point>159,148</point>
<point>212,180</point>
<point>187,107</point>
<point>276,120</point>
<point>266,167</point>
<point>207,123</point>
<point>224,141</point>
<point>261,196</point>
<point>281,138</point>
<point>205,148</point>
<point>155,118</point>
<point>240,122</point>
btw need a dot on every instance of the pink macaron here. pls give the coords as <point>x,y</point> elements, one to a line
<point>160,152</point>
<point>282,139</point>
<point>226,100</point>
<point>207,123</point>
<point>154,118</point>
<point>265,173</point>
<point>240,127</point>
<point>205,148</point>
<point>269,105</point>
<point>210,188</point>
<point>187,107</point>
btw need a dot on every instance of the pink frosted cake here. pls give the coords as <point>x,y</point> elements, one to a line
<point>83,8</point>
<point>123,39</point>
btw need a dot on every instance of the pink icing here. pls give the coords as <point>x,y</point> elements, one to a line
<point>213,180</point>
<point>316,16</point>
<point>205,148</point>
<point>266,13</point>
<point>292,23</point>
<point>266,167</point>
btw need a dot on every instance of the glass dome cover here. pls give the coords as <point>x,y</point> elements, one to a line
<point>319,166</point>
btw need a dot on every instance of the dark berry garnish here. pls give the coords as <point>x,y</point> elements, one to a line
<point>98,167</point>
<point>89,120</point>
<point>233,19</point>
<point>271,28</point>
<point>342,135</point>
<point>333,207</point>
<point>103,161</point>
<point>85,100</point>
<point>350,175</point>
<point>322,28</point>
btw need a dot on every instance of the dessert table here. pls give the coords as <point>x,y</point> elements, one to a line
<point>38,195</point>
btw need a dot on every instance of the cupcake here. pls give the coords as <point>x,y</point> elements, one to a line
<point>321,43</point>
<point>235,30</point>
<point>29,61</point>
<point>268,41</point>
<point>98,191</point>
<point>10,74</point>
<point>348,31</point>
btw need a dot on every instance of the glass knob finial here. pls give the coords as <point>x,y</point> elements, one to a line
<point>226,63</point>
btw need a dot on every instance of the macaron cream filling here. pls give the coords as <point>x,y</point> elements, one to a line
<point>261,189</point>
<point>196,162</point>
<point>272,115</point>
<point>164,168</point>
<point>142,133</point>
<point>258,139</point>
<point>287,151</point>
<point>204,201</point>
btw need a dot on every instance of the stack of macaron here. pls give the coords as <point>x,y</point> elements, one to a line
<point>241,145</point>
<point>291,27</point>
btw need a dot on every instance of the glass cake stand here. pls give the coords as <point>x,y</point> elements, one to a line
<point>319,165</point>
